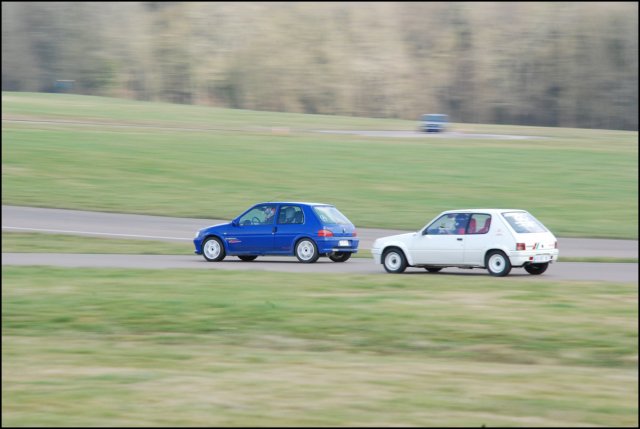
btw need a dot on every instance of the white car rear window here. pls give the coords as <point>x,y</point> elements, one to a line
<point>524,223</point>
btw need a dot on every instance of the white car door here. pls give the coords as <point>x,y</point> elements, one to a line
<point>477,238</point>
<point>441,242</point>
<point>437,249</point>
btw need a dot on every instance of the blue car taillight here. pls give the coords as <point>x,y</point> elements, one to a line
<point>325,233</point>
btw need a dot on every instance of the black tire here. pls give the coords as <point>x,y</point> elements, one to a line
<point>213,249</point>
<point>394,261</point>
<point>307,251</point>
<point>497,263</point>
<point>536,269</point>
<point>247,258</point>
<point>339,256</point>
<point>433,269</point>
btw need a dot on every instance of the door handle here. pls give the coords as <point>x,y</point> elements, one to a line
<point>275,229</point>
<point>459,239</point>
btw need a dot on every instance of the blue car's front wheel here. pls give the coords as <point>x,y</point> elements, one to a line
<point>213,249</point>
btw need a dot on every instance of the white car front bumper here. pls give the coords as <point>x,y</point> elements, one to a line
<point>377,255</point>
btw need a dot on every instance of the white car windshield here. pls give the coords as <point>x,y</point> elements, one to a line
<point>523,222</point>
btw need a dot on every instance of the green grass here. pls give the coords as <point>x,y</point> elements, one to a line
<point>580,183</point>
<point>22,105</point>
<point>92,347</point>
<point>96,347</point>
<point>19,242</point>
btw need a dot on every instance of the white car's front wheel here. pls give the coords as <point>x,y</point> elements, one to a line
<point>497,263</point>
<point>394,261</point>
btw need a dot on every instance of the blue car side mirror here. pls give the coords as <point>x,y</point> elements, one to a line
<point>234,222</point>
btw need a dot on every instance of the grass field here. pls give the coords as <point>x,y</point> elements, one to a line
<point>114,347</point>
<point>581,183</point>
<point>19,242</point>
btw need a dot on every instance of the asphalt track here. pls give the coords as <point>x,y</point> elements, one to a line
<point>114,225</point>
<point>423,135</point>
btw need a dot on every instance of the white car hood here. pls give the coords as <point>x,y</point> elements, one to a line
<point>399,238</point>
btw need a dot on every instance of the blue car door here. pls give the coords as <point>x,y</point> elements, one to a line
<point>290,225</point>
<point>254,233</point>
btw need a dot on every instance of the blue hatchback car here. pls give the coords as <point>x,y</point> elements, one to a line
<point>306,230</point>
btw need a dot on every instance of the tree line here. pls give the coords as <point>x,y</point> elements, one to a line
<point>569,64</point>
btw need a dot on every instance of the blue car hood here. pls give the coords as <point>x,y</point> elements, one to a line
<point>216,226</point>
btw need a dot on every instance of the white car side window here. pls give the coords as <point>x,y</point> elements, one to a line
<point>479,224</point>
<point>445,224</point>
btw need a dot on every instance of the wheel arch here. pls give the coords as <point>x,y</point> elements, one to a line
<point>222,240</point>
<point>398,246</point>
<point>315,245</point>
<point>494,248</point>
<point>297,239</point>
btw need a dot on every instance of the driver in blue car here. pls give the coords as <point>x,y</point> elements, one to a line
<point>269,213</point>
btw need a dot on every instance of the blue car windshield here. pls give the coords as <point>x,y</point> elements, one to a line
<point>330,215</point>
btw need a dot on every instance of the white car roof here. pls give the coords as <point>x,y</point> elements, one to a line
<point>491,211</point>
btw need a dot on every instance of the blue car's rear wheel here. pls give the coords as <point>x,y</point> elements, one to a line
<point>339,256</point>
<point>213,250</point>
<point>307,251</point>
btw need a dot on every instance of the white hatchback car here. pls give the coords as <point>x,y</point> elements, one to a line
<point>495,239</point>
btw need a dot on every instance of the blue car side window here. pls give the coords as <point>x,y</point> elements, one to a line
<point>290,215</point>
<point>259,215</point>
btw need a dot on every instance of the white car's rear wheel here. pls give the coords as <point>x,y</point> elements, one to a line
<point>536,269</point>
<point>498,263</point>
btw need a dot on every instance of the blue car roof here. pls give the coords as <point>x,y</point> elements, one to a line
<point>296,202</point>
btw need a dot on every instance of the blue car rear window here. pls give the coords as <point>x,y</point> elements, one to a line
<point>330,215</point>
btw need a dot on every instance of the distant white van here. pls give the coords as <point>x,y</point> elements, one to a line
<point>495,239</point>
<point>434,123</point>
